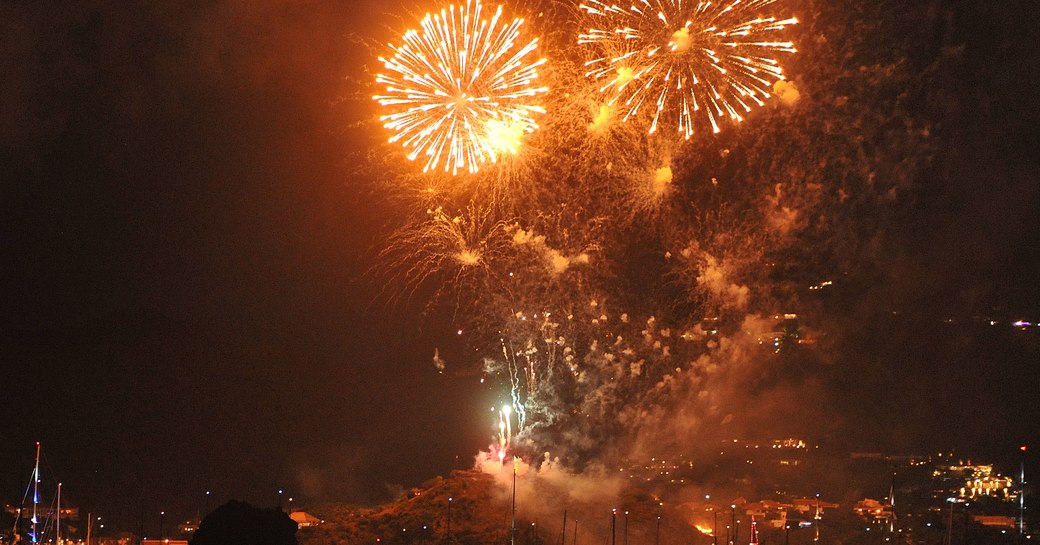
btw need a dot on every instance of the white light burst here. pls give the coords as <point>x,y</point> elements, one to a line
<point>685,59</point>
<point>461,90</point>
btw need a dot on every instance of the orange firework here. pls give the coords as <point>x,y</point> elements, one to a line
<point>461,91</point>
<point>685,59</point>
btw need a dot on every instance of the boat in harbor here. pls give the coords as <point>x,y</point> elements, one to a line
<point>35,522</point>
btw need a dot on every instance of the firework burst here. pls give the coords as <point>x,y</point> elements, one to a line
<point>455,252</point>
<point>460,92</point>
<point>684,59</point>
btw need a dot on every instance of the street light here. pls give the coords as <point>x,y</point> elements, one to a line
<point>613,527</point>
<point>714,526</point>
<point>736,529</point>
<point>817,518</point>
<point>449,519</point>
<point>162,524</point>
<point>715,521</point>
<point>90,526</point>
<point>1022,491</point>
<point>967,522</point>
<point>563,534</point>
<point>512,524</point>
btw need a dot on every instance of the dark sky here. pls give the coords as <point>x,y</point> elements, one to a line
<point>182,247</point>
<point>184,301</point>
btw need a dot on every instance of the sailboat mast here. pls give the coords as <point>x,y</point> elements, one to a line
<point>57,519</point>
<point>36,493</point>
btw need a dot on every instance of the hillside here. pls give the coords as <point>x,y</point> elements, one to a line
<point>480,514</point>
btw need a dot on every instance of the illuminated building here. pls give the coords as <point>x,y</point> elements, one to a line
<point>304,519</point>
<point>970,481</point>
<point>993,521</point>
<point>984,483</point>
<point>874,510</point>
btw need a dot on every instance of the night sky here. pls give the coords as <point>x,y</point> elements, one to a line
<point>188,296</point>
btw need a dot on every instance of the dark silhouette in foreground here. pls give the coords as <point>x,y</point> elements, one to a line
<point>238,523</point>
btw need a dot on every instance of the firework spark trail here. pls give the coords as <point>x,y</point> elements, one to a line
<point>534,361</point>
<point>533,290</point>
<point>460,91</point>
<point>632,221</point>
<point>576,371</point>
<point>463,248</point>
<point>530,359</point>
<point>505,430</point>
<point>684,58</point>
<point>569,367</point>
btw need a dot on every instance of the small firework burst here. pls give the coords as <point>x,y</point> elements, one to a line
<point>461,90</point>
<point>453,252</point>
<point>684,60</point>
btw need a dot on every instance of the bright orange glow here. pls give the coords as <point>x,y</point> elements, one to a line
<point>460,91</point>
<point>685,60</point>
<point>468,258</point>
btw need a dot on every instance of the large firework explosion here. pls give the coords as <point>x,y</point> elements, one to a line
<point>684,59</point>
<point>461,91</point>
<point>622,301</point>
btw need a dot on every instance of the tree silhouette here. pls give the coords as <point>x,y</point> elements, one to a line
<point>238,523</point>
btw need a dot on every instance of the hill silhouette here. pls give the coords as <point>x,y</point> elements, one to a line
<point>238,523</point>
